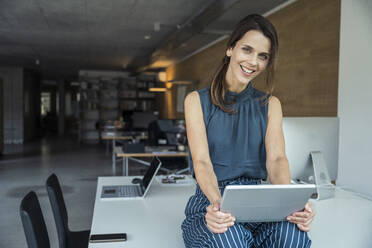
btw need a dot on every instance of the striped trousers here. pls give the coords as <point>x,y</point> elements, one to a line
<point>256,234</point>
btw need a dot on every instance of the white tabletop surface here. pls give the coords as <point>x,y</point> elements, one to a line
<point>154,221</point>
<point>343,221</point>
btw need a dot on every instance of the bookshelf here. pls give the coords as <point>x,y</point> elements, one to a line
<point>134,95</point>
<point>89,107</point>
<point>104,98</point>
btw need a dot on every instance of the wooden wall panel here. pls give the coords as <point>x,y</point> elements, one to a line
<point>307,68</point>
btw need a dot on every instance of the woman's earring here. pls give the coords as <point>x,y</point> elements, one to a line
<point>226,60</point>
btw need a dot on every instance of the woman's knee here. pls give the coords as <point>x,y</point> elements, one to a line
<point>288,235</point>
<point>234,237</point>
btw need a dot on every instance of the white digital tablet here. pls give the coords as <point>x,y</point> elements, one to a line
<point>265,203</point>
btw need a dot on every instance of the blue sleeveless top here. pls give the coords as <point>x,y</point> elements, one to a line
<point>236,141</point>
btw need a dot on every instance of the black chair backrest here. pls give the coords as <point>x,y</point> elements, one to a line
<point>33,222</point>
<point>59,209</point>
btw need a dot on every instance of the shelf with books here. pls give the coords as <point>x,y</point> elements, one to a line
<point>134,95</point>
<point>89,107</point>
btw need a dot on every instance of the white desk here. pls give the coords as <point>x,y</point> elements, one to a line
<point>343,221</point>
<point>154,221</point>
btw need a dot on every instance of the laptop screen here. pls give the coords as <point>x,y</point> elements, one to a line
<point>150,173</point>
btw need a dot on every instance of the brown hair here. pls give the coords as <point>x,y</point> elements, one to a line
<point>251,22</point>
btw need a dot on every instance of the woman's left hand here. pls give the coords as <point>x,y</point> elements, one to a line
<point>304,218</point>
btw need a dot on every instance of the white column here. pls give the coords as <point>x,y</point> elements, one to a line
<point>355,97</point>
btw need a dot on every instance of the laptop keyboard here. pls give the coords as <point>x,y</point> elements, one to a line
<point>129,190</point>
<point>121,191</point>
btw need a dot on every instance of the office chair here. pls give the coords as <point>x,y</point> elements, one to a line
<point>66,238</point>
<point>33,222</point>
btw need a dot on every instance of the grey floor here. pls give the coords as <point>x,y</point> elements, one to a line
<point>27,167</point>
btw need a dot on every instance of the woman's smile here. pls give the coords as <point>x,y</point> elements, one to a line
<point>247,71</point>
<point>248,58</point>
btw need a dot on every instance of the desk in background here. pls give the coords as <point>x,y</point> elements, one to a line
<point>118,153</point>
<point>113,139</point>
<point>154,221</point>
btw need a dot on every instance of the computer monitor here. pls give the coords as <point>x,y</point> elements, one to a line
<point>141,120</point>
<point>303,135</point>
<point>165,125</point>
<point>165,131</point>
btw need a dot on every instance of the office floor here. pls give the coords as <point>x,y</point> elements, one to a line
<point>26,168</point>
<point>345,221</point>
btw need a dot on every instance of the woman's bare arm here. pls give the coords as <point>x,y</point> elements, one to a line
<point>276,159</point>
<point>277,162</point>
<point>217,221</point>
<point>198,144</point>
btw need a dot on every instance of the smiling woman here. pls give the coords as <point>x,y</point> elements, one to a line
<point>235,137</point>
<point>248,58</point>
<point>254,40</point>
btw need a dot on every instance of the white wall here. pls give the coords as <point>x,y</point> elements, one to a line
<point>355,97</point>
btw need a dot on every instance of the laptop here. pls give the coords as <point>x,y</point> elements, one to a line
<point>133,190</point>
<point>265,203</point>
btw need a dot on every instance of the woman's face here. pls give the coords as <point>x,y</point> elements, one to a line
<point>248,58</point>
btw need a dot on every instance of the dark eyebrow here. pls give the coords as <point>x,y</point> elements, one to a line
<point>263,53</point>
<point>245,45</point>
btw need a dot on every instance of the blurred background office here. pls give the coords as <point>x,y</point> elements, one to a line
<point>74,72</point>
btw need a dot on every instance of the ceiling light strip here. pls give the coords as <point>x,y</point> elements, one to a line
<point>155,89</point>
<point>279,7</point>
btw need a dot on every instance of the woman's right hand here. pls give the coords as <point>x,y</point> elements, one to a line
<point>218,221</point>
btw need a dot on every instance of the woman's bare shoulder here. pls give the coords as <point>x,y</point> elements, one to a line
<point>274,100</point>
<point>275,107</point>
<point>192,98</point>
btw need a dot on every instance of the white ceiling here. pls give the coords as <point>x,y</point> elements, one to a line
<point>68,35</point>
